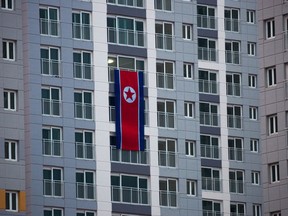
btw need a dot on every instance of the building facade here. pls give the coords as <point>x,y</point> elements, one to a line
<point>202,127</point>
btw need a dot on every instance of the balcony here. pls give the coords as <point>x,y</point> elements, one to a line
<point>81,31</point>
<point>165,119</point>
<point>126,37</point>
<point>208,86</point>
<point>232,57</point>
<point>85,191</point>
<point>231,24</point>
<point>49,27</point>
<point>211,184</point>
<point>83,71</point>
<point>164,41</point>
<point>212,213</point>
<point>236,186</point>
<point>233,89</point>
<point>53,188</point>
<point>52,147</point>
<point>51,107</point>
<point>85,150</point>
<point>234,121</point>
<point>167,159</point>
<point>168,198</point>
<point>50,67</point>
<point>208,151</point>
<point>207,22</point>
<point>207,54</point>
<point>165,81</point>
<point>130,157</point>
<point>133,195</point>
<point>235,154</point>
<point>209,119</point>
<point>83,111</point>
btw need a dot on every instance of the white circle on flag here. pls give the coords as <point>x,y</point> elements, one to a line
<point>129,94</point>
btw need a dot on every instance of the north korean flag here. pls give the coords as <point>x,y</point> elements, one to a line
<point>129,110</point>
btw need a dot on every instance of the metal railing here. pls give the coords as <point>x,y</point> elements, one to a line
<point>130,195</point>
<point>81,31</point>
<point>231,24</point>
<point>167,158</point>
<point>233,89</point>
<point>208,86</point>
<point>131,157</point>
<point>235,154</point>
<point>168,198</point>
<point>232,57</point>
<point>82,71</point>
<point>52,147</point>
<point>53,188</point>
<point>85,150</point>
<point>236,186</point>
<point>212,213</point>
<point>208,151</point>
<point>212,184</point>
<point>165,80</point>
<point>51,107</point>
<point>207,54</point>
<point>50,67</point>
<point>83,110</point>
<point>234,121</point>
<point>165,119</point>
<point>85,190</point>
<point>211,119</point>
<point>164,41</point>
<point>49,27</point>
<point>204,21</point>
<point>126,37</point>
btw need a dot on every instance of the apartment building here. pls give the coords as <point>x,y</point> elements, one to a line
<point>57,105</point>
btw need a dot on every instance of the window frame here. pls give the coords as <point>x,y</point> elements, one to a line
<point>81,25</point>
<point>188,70</point>
<point>6,5</point>
<point>190,148</point>
<point>270,29</point>
<point>51,130</point>
<point>11,100</point>
<point>234,150</point>
<point>51,100</point>
<point>6,54</point>
<point>251,48</point>
<point>11,195</point>
<point>237,205</point>
<point>229,22</point>
<point>84,144</point>
<point>253,113</point>
<point>49,21</point>
<point>163,6</point>
<point>239,185</point>
<point>207,16</point>
<point>254,145</point>
<point>51,60</point>
<point>164,35</point>
<point>52,181</point>
<point>52,210</point>
<point>191,188</point>
<point>210,45</point>
<point>126,4</point>
<point>166,113</point>
<point>189,109</point>
<point>272,125</point>
<point>83,104</point>
<point>167,192</point>
<point>233,84</point>
<point>232,49</point>
<point>252,81</point>
<point>271,77</point>
<point>8,152</point>
<point>165,75</point>
<point>231,107</point>
<point>187,32</point>
<point>250,16</point>
<point>85,185</point>
<point>212,107</point>
<point>274,170</point>
<point>165,154</point>
<point>255,177</point>
<point>83,66</point>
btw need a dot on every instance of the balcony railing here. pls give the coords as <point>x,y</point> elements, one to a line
<point>234,121</point>
<point>126,37</point>
<point>112,114</point>
<point>131,157</point>
<point>208,86</point>
<point>81,31</point>
<point>236,186</point>
<point>237,214</point>
<point>50,67</point>
<point>83,71</point>
<point>207,54</point>
<point>204,21</point>
<point>233,89</point>
<point>165,81</point>
<point>231,24</point>
<point>208,151</point>
<point>212,184</point>
<point>49,27</point>
<point>167,158</point>
<point>53,188</point>
<point>168,198</point>
<point>52,147</point>
<point>164,41</point>
<point>85,150</point>
<point>232,57</point>
<point>235,154</point>
<point>212,213</point>
<point>85,190</point>
<point>83,111</point>
<point>51,107</point>
<point>165,119</point>
<point>210,119</point>
<point>130,195</point>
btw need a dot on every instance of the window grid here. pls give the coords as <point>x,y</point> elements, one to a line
<point>190,148</point>
<point>189,109</point>
<point>273,125</point>
<point>187,32</point>
<point>255,178</point>
<point>8,50</point>
<point>270,29</point>
<point>191,187</point>
<point>252,81</point>
<point>7,4</point>
<point>11,150</point>
<point>254,145</point>
<point>188,71</point>
<point>251,49</point>
<point>253,113</point>
<point>274,173</point>
<point>11,198</point>
<point>10,100</point>
<point>271,77</point>
<point>250,15</point>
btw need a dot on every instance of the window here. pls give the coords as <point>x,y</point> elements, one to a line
<point>112,111</point>
<point>237,208</point>
<point>206,17</point>
<point>235,147</point>
<point>231,17</point>
<point>50,61</point>
<point>85,185</point>
<point>53,182</point>
<point>275,214</point>
<point>251,49</point>
<point>187,32</point>
<point>270,29</point>
<point>191,187</point>
<point>209,146</point>
<point>11,198</point>
<point>128,3</point>
<point>130,189</point>
<point>211,179</point>
<point>125,31</point>
<point>85,213</point>
<point>164,36</point>
<point>81,25</point>
<point>252,81</point>
<point>83,102</point>
<point>234,116</point>
<point>82,65</point>
<point>167,152</point>
<point>166,114</point>
<point>255,178</point>
<point>272,124</point>
<point>11,150</point>
<point>49,21</point>
<point>53,212</point>
<point>189,109</point>
<point>165,74</point>
<point>250,16</point>
<point>274,172</point>
<point>7,4</point>
<point>190,148</point>
<point>253,113</point>
<point>256,210</point>
<point>236,181</point>
<point>188,71</point>
<point>254,145</point>
<point>168,192</point>
<point>211,208</point>
<point>84,144</point>
<point>9,51</point>
<point>51,101</point>
<point>52,141</point>
<point>271,76</point>
<point>209,114</point>
<point>206,49</point>
<point>165,5</point>
<point>208,81</point>
<point>10,100</point>
<point>232,50</point>
<point>233,84</point>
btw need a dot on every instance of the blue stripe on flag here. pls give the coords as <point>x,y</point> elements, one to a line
<point>118,109</point>
<point>141,110</point>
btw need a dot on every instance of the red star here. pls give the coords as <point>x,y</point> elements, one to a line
<point>129,94</point>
